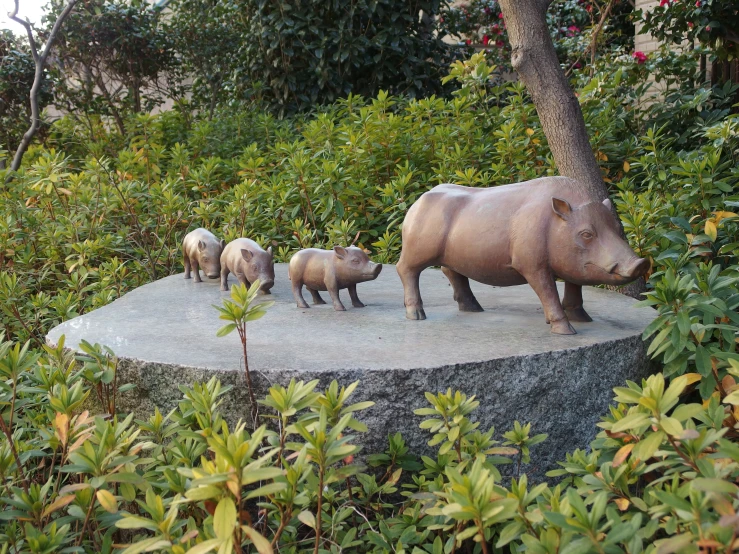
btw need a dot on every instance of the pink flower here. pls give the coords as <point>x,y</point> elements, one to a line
<point>708,28</point>
<point>487,10</point>
<point>640,57</point>
<point>578,65</point>
<point>500,15</point>
<point>485,40</point>
<point>690,24</point>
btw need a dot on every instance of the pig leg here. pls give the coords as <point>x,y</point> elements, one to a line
<point>572,303</point>
<point>224,278</point>
<point>187,264</point>
<point>333,290</point>
<point>298,294</point>
<point>546,289</point>
<point>196,270</point>
<point>462,291</point>
<point>353,294</point>
<point>412,296</point>
<point>316,297</point>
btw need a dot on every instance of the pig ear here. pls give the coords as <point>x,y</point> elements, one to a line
<point>269,250</point>
<point>340,252</point>
<point>223,244</point>
<point>246,254</point>
<point>201,245</point>
<point>561,207</point>
<point>607,204</point>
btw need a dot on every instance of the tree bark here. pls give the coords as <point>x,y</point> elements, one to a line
<point>40,61</point>
<point>535,60</point>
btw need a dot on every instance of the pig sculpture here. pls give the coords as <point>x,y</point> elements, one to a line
<point>202,250</point>
<point>249,262</point>
<point>331,270</point>
<point>532,232</point>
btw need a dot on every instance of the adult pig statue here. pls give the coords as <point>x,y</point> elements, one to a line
<point>202,250</point>
<point>532,232</point>
<point>249,262</point>
<point>331,270</point>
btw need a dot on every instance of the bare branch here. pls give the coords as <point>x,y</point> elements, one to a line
<point>27,24</point>
<point>38,79</point>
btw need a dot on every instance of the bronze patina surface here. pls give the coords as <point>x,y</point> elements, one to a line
<point>201,249</point>
<point>331,270</point>
<point>534,232</point>
<point>248,262</point>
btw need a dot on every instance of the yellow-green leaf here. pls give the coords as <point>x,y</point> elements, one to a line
<point>107,501</point>
<point>224,518</point>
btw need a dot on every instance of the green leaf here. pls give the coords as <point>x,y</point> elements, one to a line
<point>714,485</point>
<point>226,329</point>
<point>646,448</point>
<point>224,518</point>
<point>630,421</point>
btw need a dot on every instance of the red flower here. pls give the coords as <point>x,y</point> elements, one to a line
<point>690,24</point>
<point>640,57</point>
<point>485,40</point>
<point>664,2</point>
<point>500,15</point>
<point>499,43</point>
<point>468,41</point>
<point>708,28</point>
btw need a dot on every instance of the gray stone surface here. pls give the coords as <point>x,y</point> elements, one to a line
<point>164,335</point>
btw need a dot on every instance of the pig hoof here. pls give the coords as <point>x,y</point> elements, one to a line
<point>318,302</point>
<point>562,327</point>
<point>415,313</point>
<point>303,306</point>
<point>339,308</point>
<point>578,314</point>
<point>470,306</point>
<point>357,304</point>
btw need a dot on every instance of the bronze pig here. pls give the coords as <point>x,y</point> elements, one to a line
<point>532,232</point>
<point>202,250</point>
<point>331,270</point>
<point>248,262</point>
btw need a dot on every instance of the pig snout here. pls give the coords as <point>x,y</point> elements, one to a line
<point>633,269</point>
<point>375,270</point>
<point>265,285</point>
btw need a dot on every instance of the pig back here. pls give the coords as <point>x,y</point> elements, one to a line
<point>232,258</point>
<point>311,267</point>
<point>191,240</point>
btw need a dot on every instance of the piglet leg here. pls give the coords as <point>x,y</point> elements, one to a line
<point>355,299</point>
<point>572,303</point>
<point>224,278</point>
<point>334,292</point>
<point>196,270</point>
<point>546,289</point>
<point>298,294</point>
<point>316,297</point>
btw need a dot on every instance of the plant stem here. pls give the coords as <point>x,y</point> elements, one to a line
<point>9,436</point>
<point>252,399</point>
<point>320,507</point>
<point>87,519</point>
<point>483,544</point>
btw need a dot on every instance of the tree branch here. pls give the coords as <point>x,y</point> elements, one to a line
<point>40,59</point>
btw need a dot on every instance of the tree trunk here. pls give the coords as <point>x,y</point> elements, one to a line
<point>40,60</point>
<point>535,60</point>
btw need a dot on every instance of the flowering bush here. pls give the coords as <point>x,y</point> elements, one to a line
<point>714,23</point>
<point>481,22</point>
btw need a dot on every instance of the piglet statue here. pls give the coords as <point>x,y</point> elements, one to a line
<point>534,232</point>
<point>249,262</point>
<point>202,250</point>
<point>331,270</point>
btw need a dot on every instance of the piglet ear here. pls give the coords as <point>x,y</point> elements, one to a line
<point>201,245</point>
<point>269,250</point>
<point>246,254</point>
<point>607,204</point>
<point>561,207</point>
<point>340,252</point>
<point>223,244</point>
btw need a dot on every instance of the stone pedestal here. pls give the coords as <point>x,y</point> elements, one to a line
<point>165,335</point>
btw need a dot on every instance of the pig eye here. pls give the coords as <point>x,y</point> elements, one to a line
<point>587,235</point>
<point>355,262</point>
